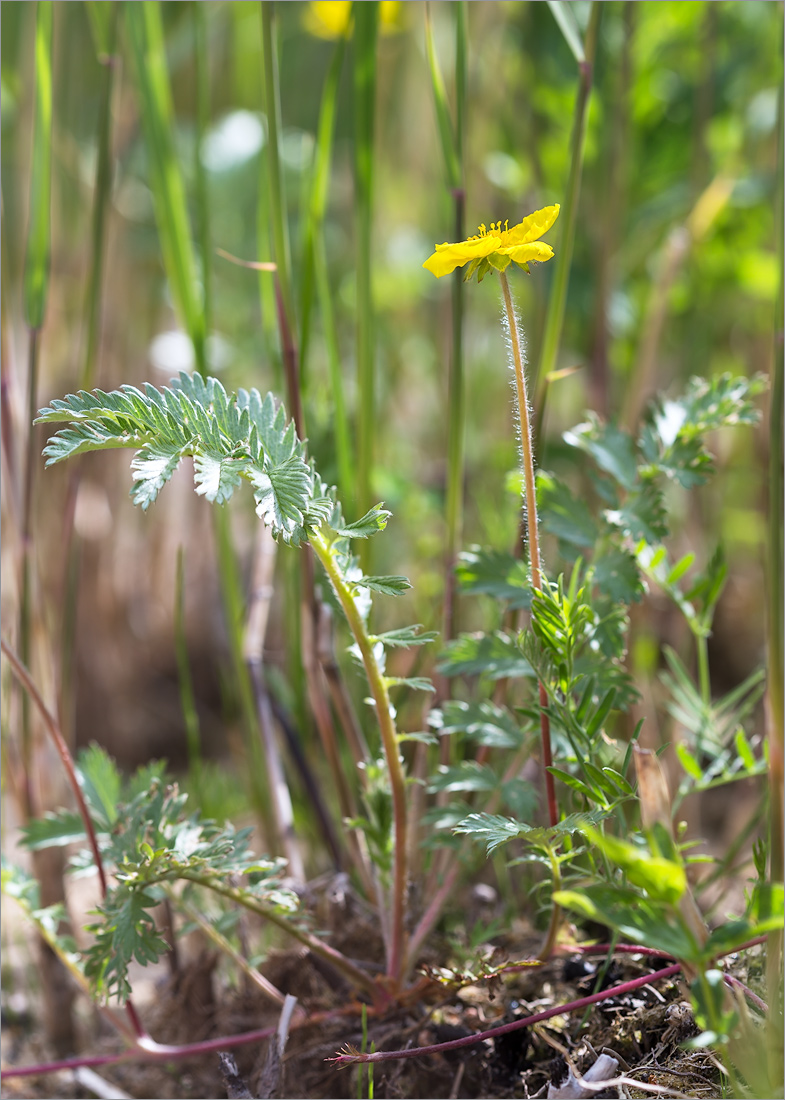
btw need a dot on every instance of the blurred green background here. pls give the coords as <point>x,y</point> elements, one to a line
<point>675,273</point>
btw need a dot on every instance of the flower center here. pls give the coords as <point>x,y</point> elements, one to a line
<point>495,228</point>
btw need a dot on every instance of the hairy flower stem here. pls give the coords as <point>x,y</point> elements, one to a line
<point>527,461</point>
<point>396,952</point>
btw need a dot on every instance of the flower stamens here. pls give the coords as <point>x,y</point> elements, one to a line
<point>497,247</point>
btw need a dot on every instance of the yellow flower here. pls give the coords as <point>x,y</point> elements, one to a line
<point>332,18</point>
<point>497,247</point>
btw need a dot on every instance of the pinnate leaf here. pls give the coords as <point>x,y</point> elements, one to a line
<point>373,521</point>
<point>405,636</point>
<point>610,447</point>
<point>101,783</point>
<point>494,655</point>
<point>494,573</point>
<point>281,493</point>
<point>616,575</point>
<point>387,586</point>
<point>216,477</point>
<point>53,830</point>
<point>152,468</point>
<point>484,722</point>
<point>563,515</point>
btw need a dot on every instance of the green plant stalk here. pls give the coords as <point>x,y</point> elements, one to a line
<point>315,200</point>
<point>264,251</point>
<point>715,1025</point>
<point>554,923</point>
<point>704,681</point>
<point>36,285</point>
<point>146,33</point>
<point>557,299</point>
<point>449,138</point>
<point>26,593</point>
<point>527,461</point>
<point>284,297</point>
<point>202,65</point>
<point>278,218</point>
<point>774,630</point>
<point>105,36</point>
<point>396,949</point>
<point>101,196</point>
<point>461,9</point>
<point>356,976</point>
<point>187,698</point>
<point>37,256</point>
<point>343,438</point>
<point>365,29</point>
<point>452,142</point>
<point>316,255</point>
<point>145,30</point>
<point>223,944</point>
<point>452,148</point>
<point>233,600</point>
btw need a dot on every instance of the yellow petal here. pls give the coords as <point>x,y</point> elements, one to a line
<point>449,256</point>
<point>328,18</point>
<point>532,227</point>
<point>523,253</point>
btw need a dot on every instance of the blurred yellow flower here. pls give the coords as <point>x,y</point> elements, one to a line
<point>332,18</point>
<point>497,247</point>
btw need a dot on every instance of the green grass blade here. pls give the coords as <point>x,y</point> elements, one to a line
<point>201,59</point>
<point>147,41</point>
<point>568,217</point>
<point>36,277</point>
<point>319,184</point>
<point>452,145</point>
<point>447,134</point>
<point>315,259</point>
<point>366,17</point>
<point>102,16</point>
<point>775,596</point>
<point>278,218</point>
<point>565,20</point>
<point>279,222</point>
<point>461,9</point>
<point>187,697</point>
<point>105,37</point>
<point>264,250</point>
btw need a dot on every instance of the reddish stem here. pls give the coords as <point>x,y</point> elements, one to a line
<point>505,1029</point>
<point>51,723</point>
<point>53,727</point>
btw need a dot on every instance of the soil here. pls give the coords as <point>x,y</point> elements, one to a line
<point>644,1031</point>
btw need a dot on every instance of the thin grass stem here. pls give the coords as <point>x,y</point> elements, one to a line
<point>202,67</point>
<point>101,196</point>
<point>557,299</point>
<point>365,30</point>
<point>775,631</point>
<point>278,219</point>
<point>187,697</point>
<point>145,29</point>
